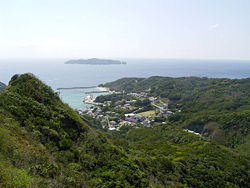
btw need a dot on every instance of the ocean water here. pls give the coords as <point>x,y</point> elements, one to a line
<point>56,74</point>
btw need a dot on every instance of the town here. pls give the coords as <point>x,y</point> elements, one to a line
<point>119,109</point>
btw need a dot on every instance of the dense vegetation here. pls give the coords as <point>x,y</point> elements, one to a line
<point>44,143</point>
<point>2,86</point>
<point>172,157</point>
<point>113,98</point>
<point>217,108</point>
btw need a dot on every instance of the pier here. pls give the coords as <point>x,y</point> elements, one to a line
<point>68,88</point>
<point>89,92</point>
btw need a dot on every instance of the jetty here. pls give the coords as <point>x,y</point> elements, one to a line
<point>89,92</point>
<point>68,88</point>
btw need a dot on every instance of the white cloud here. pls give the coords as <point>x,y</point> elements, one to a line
<point>215,26</point>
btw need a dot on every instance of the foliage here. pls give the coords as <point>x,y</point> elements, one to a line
<point>142,103</point>
<point>224,102</point>
<point>175,158</point>
<point>95,123</point>
<point>113,98</point>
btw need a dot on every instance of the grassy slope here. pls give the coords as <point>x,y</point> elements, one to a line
<point>148,113</point>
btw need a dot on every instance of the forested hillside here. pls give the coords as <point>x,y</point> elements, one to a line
<point>175,158</point>
<point>217,108</point>
<point>44,143</point>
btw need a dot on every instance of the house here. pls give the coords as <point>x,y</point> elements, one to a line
<point>135,118</point>
<point>146,123</point>
<point>152,99</point>
<point>99,116</point>
<point>118,107</point>
<point>139,95</point>
<point>165,111</point>
<point>112,123</point>
<point>107,102</point>
<point>122,123</point>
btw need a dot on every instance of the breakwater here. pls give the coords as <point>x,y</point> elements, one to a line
<point>68,88</point>
<point>89,92</point>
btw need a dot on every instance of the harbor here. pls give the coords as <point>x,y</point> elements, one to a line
<point>81,97</point>
<point>70,88</point>
<point>90,100</point>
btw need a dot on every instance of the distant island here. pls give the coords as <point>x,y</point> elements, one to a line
<point>95,61</point>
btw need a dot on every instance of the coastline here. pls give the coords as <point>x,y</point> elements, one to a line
<point>91,100</point>
<point>104,89</point>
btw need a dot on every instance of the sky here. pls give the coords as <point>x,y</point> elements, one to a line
<point>180,29</point>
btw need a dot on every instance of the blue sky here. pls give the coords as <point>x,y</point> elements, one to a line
<point>193,29</point>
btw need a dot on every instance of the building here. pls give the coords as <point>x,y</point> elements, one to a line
<point>165,111</point>
<point>135,118</point>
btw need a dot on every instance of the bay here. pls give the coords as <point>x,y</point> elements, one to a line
<point>55,73</point>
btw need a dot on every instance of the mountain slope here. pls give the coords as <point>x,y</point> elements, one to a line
<point>44,143</point>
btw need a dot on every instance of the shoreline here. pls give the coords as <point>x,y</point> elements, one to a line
<point>104,89</point>
<point>90,100</point>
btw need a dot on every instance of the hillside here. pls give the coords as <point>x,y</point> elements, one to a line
<point>219,109</point>
<point>2,86</point>
<point>175,158</point>
<point>44,143</point>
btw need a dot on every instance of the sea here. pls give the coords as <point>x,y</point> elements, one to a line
<point>56,74</point>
